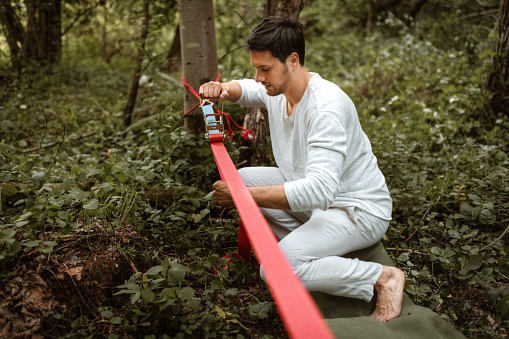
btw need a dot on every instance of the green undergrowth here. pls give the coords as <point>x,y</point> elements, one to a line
<point>69,168</point>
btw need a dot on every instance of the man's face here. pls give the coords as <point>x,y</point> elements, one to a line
<point>271,72</point>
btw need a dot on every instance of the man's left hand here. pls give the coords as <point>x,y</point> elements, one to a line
<point>222,194</point>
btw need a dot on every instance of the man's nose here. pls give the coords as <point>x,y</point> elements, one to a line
<point>259,77</point>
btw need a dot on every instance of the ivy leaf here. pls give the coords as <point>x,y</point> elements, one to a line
<point>177,273</point>
<point>466,209</point>
<point>147,295</point>
<point>261,310</point>
<point>77,194</point>
<point>116,320</point>
<point>31,243</point>
<point>66,185</point>
<point>154,270</point>
<point>186,293</point>
<point>473,263</point>
<point>38,179</point>
<point>486,217</point>
<point>107,314</point>
<point>9,190</point>
<point>92,205</point>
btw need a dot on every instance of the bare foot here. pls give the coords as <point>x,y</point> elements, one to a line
<point>389,289</point>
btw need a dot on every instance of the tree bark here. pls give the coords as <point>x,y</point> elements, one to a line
<point>42,41</point>
<point>104,31</point>
<point>199,55</point>
<point>497,82</point>
<point>175,53</point>
<point>290,8</point>
<point>13,29</point>
<point>135,81</point>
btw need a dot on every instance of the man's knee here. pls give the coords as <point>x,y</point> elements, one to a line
<point>246,173</point>
<point>261,176</point>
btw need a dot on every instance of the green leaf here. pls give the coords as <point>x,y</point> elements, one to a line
<point>107,314</point>
<point>66,185</point>
<point>186,293</point>
<point>486,217</point>
<point>217,284</point>
<point>92,205</point>
<point>177,273</point>
<point>77,194</point>
<point>9,190</point>
<point>231,292</point>
<point>122,177</point>
<point>154,270</point>
<point>260,310</point>
<point>32,243</point>
<point>38,179</point>
<point>75,170</point>
<point>404,257</point>
<point>116,320</point>
<point>466,209</point>
<point>474,262</point>
<point>147,295</point>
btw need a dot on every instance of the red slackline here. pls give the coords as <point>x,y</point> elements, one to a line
<point>298,311</point>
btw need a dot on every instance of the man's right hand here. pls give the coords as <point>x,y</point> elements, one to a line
<point>230,91</point>
<point>213,90</point>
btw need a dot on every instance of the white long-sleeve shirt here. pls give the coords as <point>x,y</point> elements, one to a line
<point>321,149</point>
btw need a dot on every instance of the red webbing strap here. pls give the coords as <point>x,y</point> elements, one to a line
<point>297,309</point>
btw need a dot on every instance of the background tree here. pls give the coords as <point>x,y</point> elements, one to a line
<point>497,82</point>
<point>41,39</point>
<point>175,53</point>
<point>199,56</point>
<point>138,68</point>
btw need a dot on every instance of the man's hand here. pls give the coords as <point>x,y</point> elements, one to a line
<point>230,91</point>
<point>213,90</point>
<point>222,194</point>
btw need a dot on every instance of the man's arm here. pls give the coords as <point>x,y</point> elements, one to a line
<point>264,196</point>
<point>230,91</point>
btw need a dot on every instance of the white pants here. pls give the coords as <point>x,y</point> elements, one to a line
<point>314,242</point>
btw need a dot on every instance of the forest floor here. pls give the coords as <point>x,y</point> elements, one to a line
<point>46,294</point>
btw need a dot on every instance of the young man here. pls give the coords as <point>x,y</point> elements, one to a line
<point>327,197</point>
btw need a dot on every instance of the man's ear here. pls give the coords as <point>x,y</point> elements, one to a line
<point>293,60</point>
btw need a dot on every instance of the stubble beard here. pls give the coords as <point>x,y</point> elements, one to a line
<point>281,89</point>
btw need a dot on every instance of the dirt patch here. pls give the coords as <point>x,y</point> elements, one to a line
<point>46,292</point>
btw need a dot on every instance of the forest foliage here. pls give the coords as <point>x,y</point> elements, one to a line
<point>123,219</point>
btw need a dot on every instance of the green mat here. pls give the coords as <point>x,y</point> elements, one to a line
<point>349,318</point>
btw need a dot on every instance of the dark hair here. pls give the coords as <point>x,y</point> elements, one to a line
<point>280,35</point>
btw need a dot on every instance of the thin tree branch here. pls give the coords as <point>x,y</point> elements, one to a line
<point>228,53</point>
<point>51,144</point>
<point>240,16</point>
<point>482,13</point>
<point>78,17</point>
<point>493,243</point>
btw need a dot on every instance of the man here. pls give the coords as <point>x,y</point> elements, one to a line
<point>327,197</point>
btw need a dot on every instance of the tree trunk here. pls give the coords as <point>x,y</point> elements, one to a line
<point>199,56</point>
<point>255,151</point>
<point>175,53</point>
<point>104,31</point>
<point>133,93</point>
<point>13,29</point>
<point>290,8</point>
<point>42,41</point>
<point>497,83</point>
